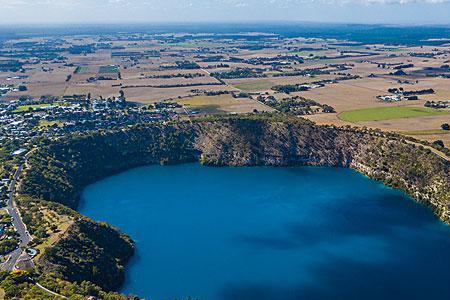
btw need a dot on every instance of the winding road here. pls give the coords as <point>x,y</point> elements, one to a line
<point>17,222</point>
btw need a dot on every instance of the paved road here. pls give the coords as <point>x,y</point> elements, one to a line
<point>17,222</point>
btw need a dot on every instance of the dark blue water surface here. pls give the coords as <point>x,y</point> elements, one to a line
<point>272,233</point>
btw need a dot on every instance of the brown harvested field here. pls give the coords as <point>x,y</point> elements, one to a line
<point>423,128</point>
<point>100,88</point>
<point>416,127</point>
<point>156,82</point>
<point>101,57</point>
<point>362,93</point>
<point>357,94</point>
<point>49,77</point>
<point>222,104</point>
<point>266,83</point>
<point>349,95</point>
<point>150,95</point>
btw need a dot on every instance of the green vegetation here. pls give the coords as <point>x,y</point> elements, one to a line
<point>73,247</point>
<point>239,73</point>
<point>25,108</point>
<point>45,123</point>
<point>89,251</point>
<point>259,85</point>
<point>80,70</point>
<point>108,69</point>
<point>10,65</point>
<point>22,285</point>
<point>187,65</point>
<point>307,53</point>
<point>290,88</point>
<point>7,246</point>
<point>44,219</point>
<point>300,106</point>
<point>389,113</point>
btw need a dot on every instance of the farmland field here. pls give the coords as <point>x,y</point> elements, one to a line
<point>260,85</point>
<point>388,113</point>
<point>221,104</point>
<point>152,72</point>
<point>108,69</point>
<point>80,70</point>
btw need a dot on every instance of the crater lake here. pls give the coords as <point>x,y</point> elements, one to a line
<point>264,233</point>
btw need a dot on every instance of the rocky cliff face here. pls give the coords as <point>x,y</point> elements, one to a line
<point>415,170</point>
<point>249,143</point>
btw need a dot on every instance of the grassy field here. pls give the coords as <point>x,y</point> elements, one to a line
<point>80,70</point>
<point>260,85</point>
<point>63,223</point>
<point>108,69</point>
<point>24,108</point>
<point>389,113</point>
<point>221,104</point>
<point>45,123</point>
<point>308,53</point>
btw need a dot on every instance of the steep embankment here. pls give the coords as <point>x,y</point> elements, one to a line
<point>60,169</point>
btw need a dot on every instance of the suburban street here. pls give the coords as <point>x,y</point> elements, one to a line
<point>18,224</point>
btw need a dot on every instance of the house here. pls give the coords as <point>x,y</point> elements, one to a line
<point>19,152</point>
<point>390,98</point>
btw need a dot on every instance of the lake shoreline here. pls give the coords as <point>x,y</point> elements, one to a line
<point>238,141</point>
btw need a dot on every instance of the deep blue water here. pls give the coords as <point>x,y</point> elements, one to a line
<point>272,233</point>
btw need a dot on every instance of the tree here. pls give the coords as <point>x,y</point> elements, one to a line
<point>439,143</point>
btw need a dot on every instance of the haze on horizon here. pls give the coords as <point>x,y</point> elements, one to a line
<point>148,11</point>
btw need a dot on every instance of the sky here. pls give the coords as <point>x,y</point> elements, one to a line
<point>151,11</point>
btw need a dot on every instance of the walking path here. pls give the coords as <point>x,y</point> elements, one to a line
<point>50,292</point>
<point>435,151</point>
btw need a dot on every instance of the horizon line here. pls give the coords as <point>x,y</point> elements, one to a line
<point>222,22</point>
